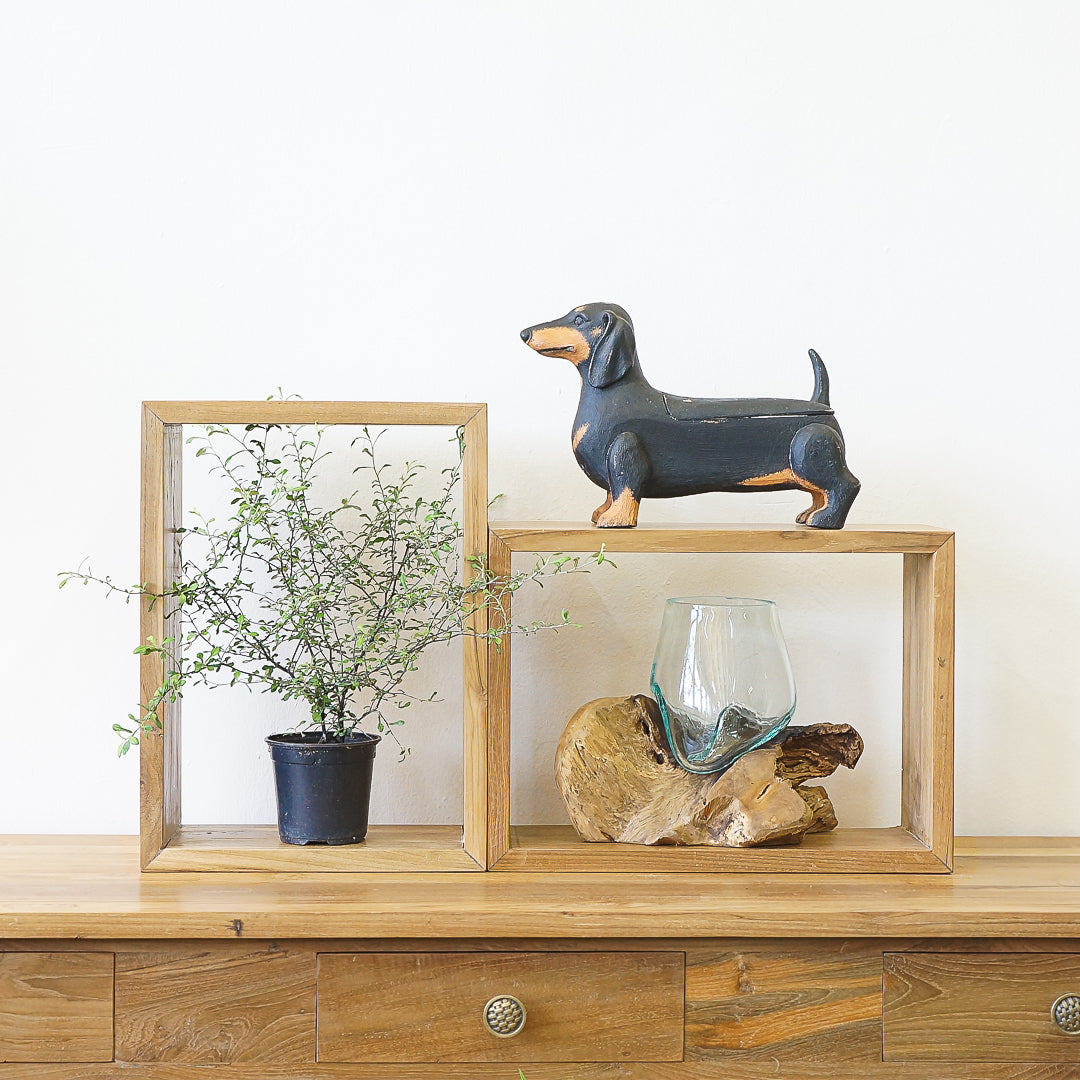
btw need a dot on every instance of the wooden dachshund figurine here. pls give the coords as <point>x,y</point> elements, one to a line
<point>636,442</point>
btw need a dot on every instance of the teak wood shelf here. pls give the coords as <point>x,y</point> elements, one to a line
<point>166,843</point>
<point>923,841</point>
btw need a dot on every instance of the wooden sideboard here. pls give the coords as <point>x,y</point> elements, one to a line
<point>110,974</point>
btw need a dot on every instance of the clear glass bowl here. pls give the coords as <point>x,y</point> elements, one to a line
<point>722,678</point>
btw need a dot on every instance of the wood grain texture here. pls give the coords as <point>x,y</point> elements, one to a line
<point>579,1006</point>
<point>254,848</point>
<point>91,887</point>
<point>704,538</point>
<point>755,1009</point>
<point>927,782</point>
<point>554,848</point>
<point>418,413</point>
<point>196,1005</point>
<point>620,782</point>
<point>692,1070</point>
<point>497,800</point>
<point>786,1000</point>
<point>475,647</point>
<point>56,1006</point>
<point>816,750</point>
<point>972,1007</point>
<point>159,753</point>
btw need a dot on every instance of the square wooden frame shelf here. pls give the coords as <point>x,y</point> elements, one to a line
<point>165,843</point>
<point>922,843</point>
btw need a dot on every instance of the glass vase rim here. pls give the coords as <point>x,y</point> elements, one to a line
<point>720,601</point>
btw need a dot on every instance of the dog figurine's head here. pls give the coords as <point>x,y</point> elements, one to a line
<point>598,339</point>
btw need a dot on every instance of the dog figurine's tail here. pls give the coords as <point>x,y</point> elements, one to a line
<point>821,380</point>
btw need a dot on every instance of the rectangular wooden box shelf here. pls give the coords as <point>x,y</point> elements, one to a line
<point>923,841</point>
<point>168,844</point>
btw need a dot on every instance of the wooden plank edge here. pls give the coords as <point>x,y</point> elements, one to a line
<point>152,472</point>
<point>943,837</point>
<point>894,856</point>
<point>199,849</point>
<point>702,538</point>
<point>498,721</point>
<point>621,1070</point>
<point>391,413</point>
<point>322,860</point>
<point>475,679</point>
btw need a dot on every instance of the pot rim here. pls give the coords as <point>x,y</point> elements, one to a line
<point>314,739</point>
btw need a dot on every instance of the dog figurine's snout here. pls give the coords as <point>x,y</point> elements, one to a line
<point>637,442</point>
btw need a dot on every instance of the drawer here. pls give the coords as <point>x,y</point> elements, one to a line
<point>413,1007</point>
<point>56,1006</point>
<point>977,1006</point>
<point>197,1005</point>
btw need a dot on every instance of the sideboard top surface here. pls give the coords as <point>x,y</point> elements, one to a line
<point>91,887</point>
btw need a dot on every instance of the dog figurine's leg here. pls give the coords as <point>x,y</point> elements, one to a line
<point>817,458</point>
<point>600,509</point>
<point>818,504</point>
<point>628,469</point>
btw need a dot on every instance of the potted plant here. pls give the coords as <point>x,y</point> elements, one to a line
<point>333,605</point>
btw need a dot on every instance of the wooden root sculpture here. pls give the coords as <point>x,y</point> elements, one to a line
<point>636,442</point>
<point>620,782</point>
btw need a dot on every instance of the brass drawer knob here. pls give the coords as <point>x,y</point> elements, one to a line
<point>504,1016</point>
<point>1065,1012</point>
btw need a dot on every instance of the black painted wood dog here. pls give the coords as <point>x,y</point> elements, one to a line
<point>636,442</point>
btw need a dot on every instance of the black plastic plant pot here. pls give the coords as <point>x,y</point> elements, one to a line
<point>323,788</point>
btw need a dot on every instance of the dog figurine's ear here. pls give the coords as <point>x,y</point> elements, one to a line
<point>613,355</point>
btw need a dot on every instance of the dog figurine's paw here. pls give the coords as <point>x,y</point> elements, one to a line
<point>620,513</point>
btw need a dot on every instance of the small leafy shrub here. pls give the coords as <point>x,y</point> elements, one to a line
<point>331,605</point>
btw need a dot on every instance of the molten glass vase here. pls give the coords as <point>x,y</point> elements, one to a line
<point>722,679</point>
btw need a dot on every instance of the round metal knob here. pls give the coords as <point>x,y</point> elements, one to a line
<point>1065,1012</point>
<point>504,1016</point>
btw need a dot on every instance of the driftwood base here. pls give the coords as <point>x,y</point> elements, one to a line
<point>621,783</point>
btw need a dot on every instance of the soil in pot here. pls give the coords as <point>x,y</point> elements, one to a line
<point>323,788</point>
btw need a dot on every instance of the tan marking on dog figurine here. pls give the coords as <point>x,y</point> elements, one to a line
<point>601,508</point>
<point>786,478</point>
<point>563,341</point>
<point>621,513</point>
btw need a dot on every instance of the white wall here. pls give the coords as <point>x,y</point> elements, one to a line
<point>353,201</point>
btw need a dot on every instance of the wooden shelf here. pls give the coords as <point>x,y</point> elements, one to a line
<point>703,538</point>
<point>557,849</point>
<point>485,840</point>
<point>168,844</point>
<point>388,848</point>
<point>923,841</point>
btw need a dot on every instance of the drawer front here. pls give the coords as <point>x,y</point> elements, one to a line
<point>977,1006</point>
<point>412,1007</point>
<point>56,1006</point>
<point>200,1005</point>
